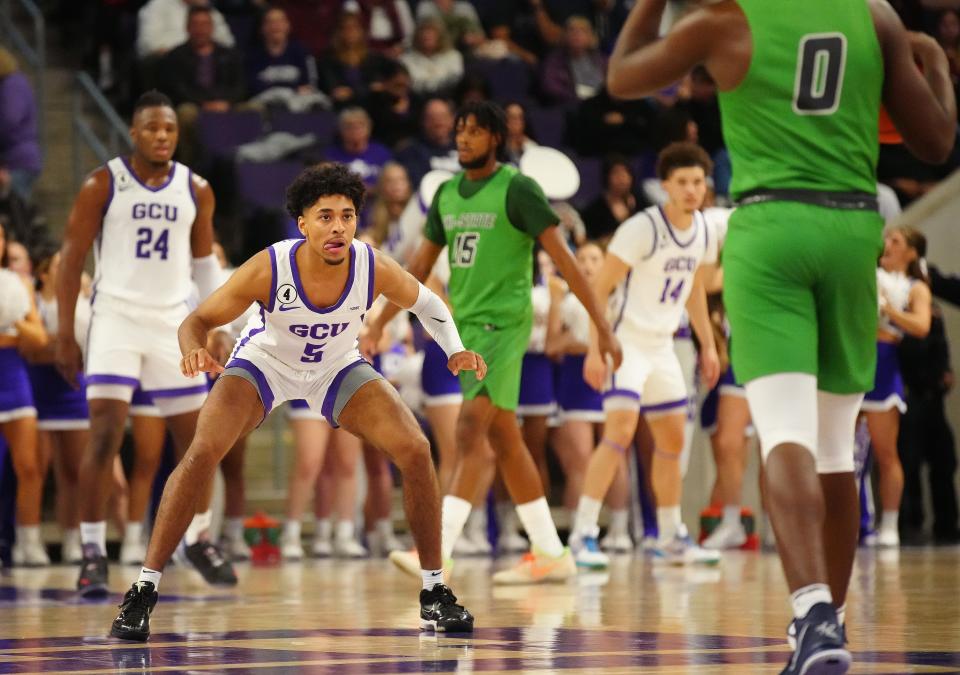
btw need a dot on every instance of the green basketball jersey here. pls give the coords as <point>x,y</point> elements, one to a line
<point>491,260</point>
<point>806,114</point>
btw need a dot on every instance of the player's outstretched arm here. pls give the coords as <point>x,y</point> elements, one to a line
<point>700,321</point>
<point>83,225</point>
<point>249,284</point>
<point>419,268</point>
<point>405,291</point>
<point>921,105</point>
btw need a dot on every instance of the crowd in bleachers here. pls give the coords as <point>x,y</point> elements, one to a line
<point>264,88</point>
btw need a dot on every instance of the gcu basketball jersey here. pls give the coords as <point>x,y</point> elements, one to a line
<point>294,331</point>
<point>663,261</point>
<point>143,250</point>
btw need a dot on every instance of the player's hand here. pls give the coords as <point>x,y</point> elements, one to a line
<point>69,359</point>
<point>369,341</point>
<point>709,367</point>
<point>198,361</point>
<point>595,370</point>
<point>467,360</point>
<point>610,347</point>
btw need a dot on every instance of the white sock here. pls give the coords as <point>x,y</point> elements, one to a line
<point>731,515</point>
<point>291,530</point>
<point>431,578</point>
<point>384,527</point>
<point>345,530</point>
<point>842,614</point>
<point>804,598</point>
<point>28,534</point>
<point>94,534</point>
<point>233,529</point>
<point>324,529</point>
<point>588,514</point>
<point>669,521</point>
<point>507,519</point>
<point>70,535</point>
<point>889,521</point>
<point>619,520</point>
<point>477,521</point>
<point>540,527</point>
<point>147,574</point>
<point>453,518</point>
<point>199,525</point>
<point>132,533</point>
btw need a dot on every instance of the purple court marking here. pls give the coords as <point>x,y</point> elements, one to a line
<point>21,597</point>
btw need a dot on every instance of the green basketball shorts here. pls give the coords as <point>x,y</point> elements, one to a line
<point>800,290</point>
<point>502,347</point>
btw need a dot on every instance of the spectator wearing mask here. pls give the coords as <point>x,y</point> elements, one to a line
<point>434,64</point>
<point>19,139</point>
<point>161,26</point>
<point>576,70</point>
<point>435,149</point>
<point>350,67</point>
<point>355,149</point>
<point>278,61</point>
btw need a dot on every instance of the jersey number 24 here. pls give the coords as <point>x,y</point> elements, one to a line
<point>821,60</point>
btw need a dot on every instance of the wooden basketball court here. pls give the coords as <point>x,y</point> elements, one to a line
<point>360,617</point>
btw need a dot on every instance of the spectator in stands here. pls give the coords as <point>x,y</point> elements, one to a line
<point>518,138</point>
<point>393,194</point>
<point>604,124</point>
<point>472,88</point>
<point>458,16</point>
<point>394,108</point>
<point>435,149</point>
<point>576,70</point>
<point>502,45</point>
<point>388,24</point>
<point>606,17</point>
<point>17,217</point>
<point>19,140</point>
<point>350,67</point>
<point>279,61</point>
<point>311,20</point>
<point>162,25</point>
<point>434,65</point>
<point>355,149</point>
<point>616,203</point>
<point>698,98</point>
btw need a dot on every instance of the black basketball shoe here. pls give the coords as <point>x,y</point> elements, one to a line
<point>93,576</point>
<point>133,621</point>
<point>820,646</point>
<point>440,612</point>
<point>209,561</point>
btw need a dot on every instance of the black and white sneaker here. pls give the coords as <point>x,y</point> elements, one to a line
<point>209,561</point>
<point>820,646</point>
<point>440,612</point>
<point>92,582</point>
<point>133,621</point>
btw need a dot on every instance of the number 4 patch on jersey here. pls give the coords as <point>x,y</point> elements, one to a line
<point>286,294</point>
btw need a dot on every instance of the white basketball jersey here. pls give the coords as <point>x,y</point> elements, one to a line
<point>143,250</point>
<point>299,334</point>
<point>663,261</point>
<point>895,287</point>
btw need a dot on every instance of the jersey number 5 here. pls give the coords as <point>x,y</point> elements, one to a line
<point>821,60</point>
<point>145,239</point>
<point>465,249</point>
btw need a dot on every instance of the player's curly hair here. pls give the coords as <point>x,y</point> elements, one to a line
<point>682,155</point>
<point>324,180</point>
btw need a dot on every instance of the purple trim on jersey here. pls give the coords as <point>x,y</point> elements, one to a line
<point>370,278</point>
<point>299,404</point>
<point>303,296</point>
<point>706,231</point>
<point>673,234</point>
<point>263,387</point>
<point>109,200</point>
<point>626,393</point>
<point>193,193</point>
<point>683,333</point>
<point>141,398</point>
<point>669,405</point>
<point>656,236</point>
<point>113,379</point>
<point>133,174</point>
<point>253,331</point>
<point>623,307</point>
<point>331,398</point>
<point>273,279</point>
<point>177,391</point>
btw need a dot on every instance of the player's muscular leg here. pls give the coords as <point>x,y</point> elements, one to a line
<point>618,431</point>
<point>232,410</point>
<point>668,444</point>
<point>476,458</point>
<point>535,437</point>
<point>182,428</point>
<point>841,529</point>
<point>108,417</point>
<point>729,447</point>
<point>514,460</point>
<point>149,434</point>
<point>376,414</point>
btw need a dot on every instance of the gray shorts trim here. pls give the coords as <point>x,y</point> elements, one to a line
<point>345,384</point>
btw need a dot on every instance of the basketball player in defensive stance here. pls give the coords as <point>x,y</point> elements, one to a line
<point>312,294</point>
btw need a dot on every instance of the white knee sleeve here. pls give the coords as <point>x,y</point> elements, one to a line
<point>114,392</point>
<point>837,416</point>
<point>784,410</point>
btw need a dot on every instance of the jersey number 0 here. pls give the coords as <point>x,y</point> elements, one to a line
<point>821,60</point>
